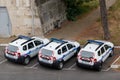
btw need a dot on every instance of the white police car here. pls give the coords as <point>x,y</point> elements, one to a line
<point>94,53</point>
<point>57,51</point>
<point>24,48</point>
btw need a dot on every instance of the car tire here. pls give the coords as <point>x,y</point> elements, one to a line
<point>112,52</point>
<point>77,64</point>
<point>27,60</point>
<point>60,65</point>
<point>99,67</point>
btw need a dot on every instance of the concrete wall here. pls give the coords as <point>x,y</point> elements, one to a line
<point>20,13</point>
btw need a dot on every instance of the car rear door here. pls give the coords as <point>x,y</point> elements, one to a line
<point>31,49</point>
<point>103,52</point>
<point>38,44</point>
<point>71,50</point>
<point>65,53</point>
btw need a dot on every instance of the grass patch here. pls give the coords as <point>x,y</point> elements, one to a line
<point>114,24</point>
<point>82,42</point>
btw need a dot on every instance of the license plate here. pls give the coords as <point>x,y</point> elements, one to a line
<point>85,62</point>
<point>44,57</point>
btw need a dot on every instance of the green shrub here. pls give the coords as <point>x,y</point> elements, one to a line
<point>77,7</point>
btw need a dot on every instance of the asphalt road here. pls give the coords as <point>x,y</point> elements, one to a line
<point>34,71</point>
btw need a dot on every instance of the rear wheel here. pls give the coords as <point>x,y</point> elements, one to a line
<point>99,67</point>
<point>60,65</point>
<point>27,60</point>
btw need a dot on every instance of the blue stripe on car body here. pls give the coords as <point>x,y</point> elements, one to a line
<point>33,50</point>
<point>66,55</point>
<point>105,54</point>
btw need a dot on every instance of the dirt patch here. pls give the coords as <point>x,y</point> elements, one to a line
<point>92,32</point>
<point>6,40</point>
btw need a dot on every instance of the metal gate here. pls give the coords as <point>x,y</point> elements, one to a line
<point>5,24</point>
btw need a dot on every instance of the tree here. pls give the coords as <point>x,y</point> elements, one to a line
<point>74,8</point>
<point>104,19</point>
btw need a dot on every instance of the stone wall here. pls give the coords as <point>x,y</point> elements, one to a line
<point>52,14</point>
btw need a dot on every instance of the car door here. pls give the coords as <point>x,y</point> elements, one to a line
<point>103,53</point>
<point>38,45</point>
<point>71,50</point>
<point>65,53</point>
<point>108,50</point>
<point>31,49</point>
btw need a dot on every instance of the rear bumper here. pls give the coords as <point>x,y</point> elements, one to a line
<point>54,64</point>
<point>19,59</point>
<point>95,65</point>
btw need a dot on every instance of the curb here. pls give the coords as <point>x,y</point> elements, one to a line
<point>117,47</point>
<point>3,45</point>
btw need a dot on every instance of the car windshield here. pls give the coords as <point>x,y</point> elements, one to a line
<point>12,48</point>
<point>86,54</point>
<point>46,52</point>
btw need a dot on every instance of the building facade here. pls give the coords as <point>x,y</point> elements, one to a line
<point>22,17</point>
<point>30,17</point>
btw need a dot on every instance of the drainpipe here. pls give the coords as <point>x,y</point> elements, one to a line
<point>32,11</point>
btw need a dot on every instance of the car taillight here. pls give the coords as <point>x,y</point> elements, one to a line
<point>17,54</point>
<point>93,59</point>
<point>6,50</point>
<point>52,58</point>
<point>79,57</point>
<point>40,55</point>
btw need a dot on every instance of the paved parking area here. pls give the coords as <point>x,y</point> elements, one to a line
<point>69,65</point>
<point>34,71</point>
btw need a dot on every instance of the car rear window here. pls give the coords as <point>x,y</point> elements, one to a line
<point>46,52</point>
<point>86,54</point>
<point>12,48</point>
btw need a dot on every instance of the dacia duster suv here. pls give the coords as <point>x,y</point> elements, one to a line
<point>24,48</point>
<point>94,53</point>
<point>57,51</point>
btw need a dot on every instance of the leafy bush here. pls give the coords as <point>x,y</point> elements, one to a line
<point>77,7</point>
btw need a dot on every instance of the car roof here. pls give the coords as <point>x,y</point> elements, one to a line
<point>54,44</point>
<point>20,40</point>
<point>93,45</point>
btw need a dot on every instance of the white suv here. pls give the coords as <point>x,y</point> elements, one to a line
<point>24,48</point>
<point>94,53</point>
<point>57,51</point>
